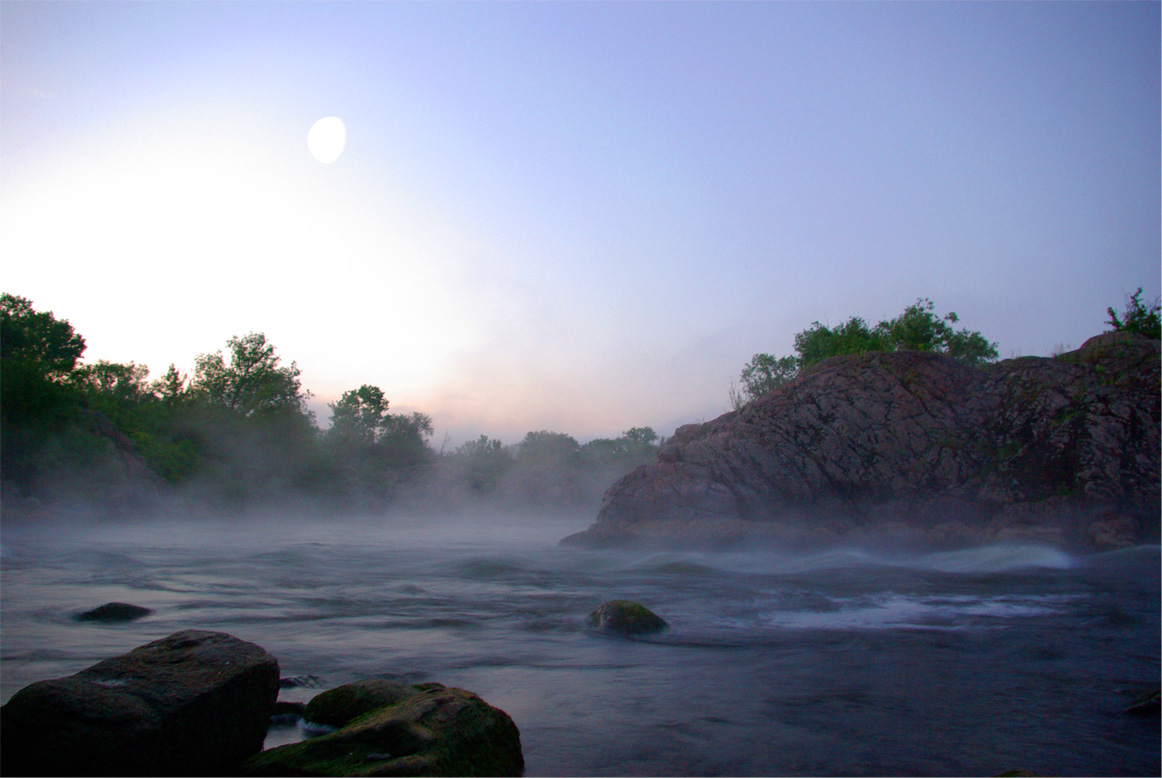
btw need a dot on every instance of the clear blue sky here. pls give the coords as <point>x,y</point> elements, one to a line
<point>579,217</point>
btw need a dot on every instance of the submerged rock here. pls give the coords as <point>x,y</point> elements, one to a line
<point>431,731</point>
<point>300,682</point>
<point>626,618</point>
<point>194,703</point>
<point>915,446</point>
<point>112,612</point>
<point>1149,704</point>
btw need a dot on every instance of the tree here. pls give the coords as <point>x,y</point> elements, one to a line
<point>39,341</point>
<point>548,448</point>
<point>171,388</point>
<point>482,463</point>
<point>414,426</point>
<point>56,416</point>
<point>641,436</point>
<point>762,375</point>
<point>1138,317</point>
<point>121,383</point>
<point>252,382</point>
<point>359,416</point>
<point>37,354</point>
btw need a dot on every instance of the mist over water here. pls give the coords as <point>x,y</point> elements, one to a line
<point>840,661</point>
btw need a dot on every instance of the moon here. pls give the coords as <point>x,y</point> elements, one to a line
<point>327,138</point>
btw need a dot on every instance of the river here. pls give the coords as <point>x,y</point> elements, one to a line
<point>832,662</point>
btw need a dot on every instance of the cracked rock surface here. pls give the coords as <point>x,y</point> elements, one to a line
<point>915,446</point>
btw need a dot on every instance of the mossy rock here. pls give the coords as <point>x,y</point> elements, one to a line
<point>440,731</point>
<point>338,706</point>
<point>626,618</point>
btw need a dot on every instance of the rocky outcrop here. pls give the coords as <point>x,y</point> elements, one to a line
<point>624,617</point>
<point>916,446</point>
<point>194,703</point>
<point>396,729</point>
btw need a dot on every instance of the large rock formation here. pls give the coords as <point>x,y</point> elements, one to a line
<point>916,446</point>
<point>194,703</point>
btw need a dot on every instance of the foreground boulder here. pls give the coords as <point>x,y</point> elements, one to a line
<point>916,446</point>
<point>430,730</point>
<point>626,618</point>
<point>194,703</point>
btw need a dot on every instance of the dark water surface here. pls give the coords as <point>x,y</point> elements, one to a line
<point>842,662</point>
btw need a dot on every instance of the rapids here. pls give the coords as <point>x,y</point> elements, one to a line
<point>838,662</point>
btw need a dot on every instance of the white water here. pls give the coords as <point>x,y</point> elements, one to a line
<point>837,662</point>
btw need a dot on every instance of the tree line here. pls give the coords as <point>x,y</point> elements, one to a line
<point>237,432</point>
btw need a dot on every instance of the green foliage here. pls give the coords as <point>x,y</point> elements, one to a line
<point>172,388</point>
<point>111,387</point>
<point>359,416</point>
<point>548,448</point>
<point>1138,317</point>
<point>238,433</point>
<point>636,446</point>
<point>482,464</point>
<point>762,375</point>
<point>252,381</point>
<point>819,342</point>
<point>39,340</point>
<point>405,440</point>
<point>376,452</point>
<point>918,328</point>
<point>38,352</point>
<point>37,402</point>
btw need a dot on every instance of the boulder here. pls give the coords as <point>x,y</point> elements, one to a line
<point>338,706</point>
<point>112,612</point>
<point>1064,450</point>
<point>626,618</point>
<point>432,731</point>
<point>194,703</point>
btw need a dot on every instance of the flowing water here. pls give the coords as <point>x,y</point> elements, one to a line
<point>838,662</point>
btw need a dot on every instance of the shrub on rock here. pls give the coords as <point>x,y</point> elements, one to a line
<point>194,703</point>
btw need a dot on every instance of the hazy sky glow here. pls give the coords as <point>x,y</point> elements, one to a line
<point>579,217</point>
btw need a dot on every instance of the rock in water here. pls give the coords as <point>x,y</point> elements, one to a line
<point>338,706</point>
<point>113,612</point>
<point>626,617</point>
<point>1149,704</point>
<point>914,446</point>
<point>432,731</point>
<point>194,703</point>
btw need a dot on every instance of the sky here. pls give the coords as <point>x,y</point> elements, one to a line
<point>577,217</point>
